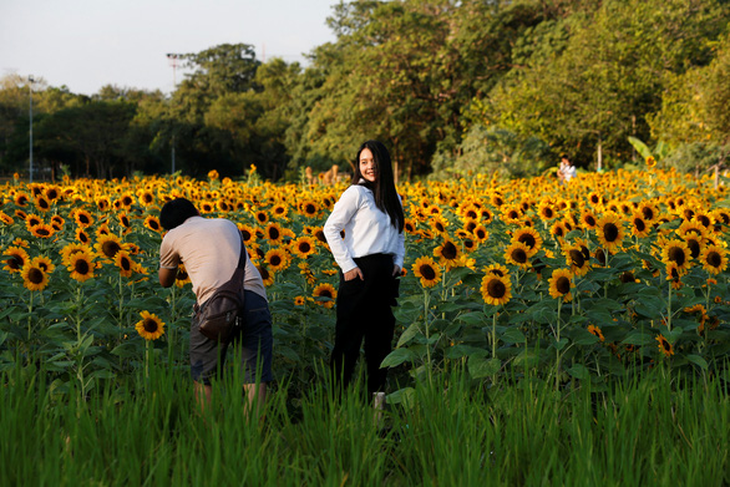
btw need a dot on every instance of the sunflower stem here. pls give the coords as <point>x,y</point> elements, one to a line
<point>557,346</point>
<point>426,303</point>
<point>669,308</point>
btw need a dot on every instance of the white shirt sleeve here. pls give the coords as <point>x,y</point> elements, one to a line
<point>343,211</point>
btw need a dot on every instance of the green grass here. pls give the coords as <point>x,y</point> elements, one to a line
<point>652,431</point>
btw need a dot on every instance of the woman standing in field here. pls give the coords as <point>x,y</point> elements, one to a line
<point>370,257</point>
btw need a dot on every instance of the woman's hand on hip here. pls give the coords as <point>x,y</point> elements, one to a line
<point>353,274</point>
<point>396,270</point>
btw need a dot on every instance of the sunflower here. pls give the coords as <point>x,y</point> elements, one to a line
<point>299,301</point>
<point>427,270</point>
<point>276,260</point>
<point>125,263</point>
<point>560,229</point>
<point>648,211</point>
<point>326,291</point>
<point>409,226</point>
<point>124,220</point>
<point>610,231</point>
<point>497,270</point>
<point>107,246</point>
<point>42,203</point>
<point>530,238</point>
<point>6,219</point>
<point>146,198</point>
<point>714,259</point>
<point>496,289</point>
<point>546,211</point>
<point>15,259</point>
<point>280,211</point>
<point>103,204</point>
<point>42,230</point>
<point>578,259</point>
<point>21,199</point>
<point>518,253</point>
<point>153,223</point>
<point>273,233</point>
<point>588,220</point>
<point>512,215</point>
<point>304,246</point>
<point>182,277</point>
<point>32,220</point>
<point>81,265</point>
<point>261,216</point>
<point>266,276</point>
<point>560,284</point>
<point>58,220</point>
<point>640,228</point>
<point>594,330</point>
<point>150,327</point>
<point>447,252</point>
<point>676,252</point>
<point>650,162</point>
<point>439,224</point>
<point>34,278</point>
<point>43,263</point>
<point>664,346</point>
<point>309,208</point>
<point>480,233</point>
<point>83,218</point>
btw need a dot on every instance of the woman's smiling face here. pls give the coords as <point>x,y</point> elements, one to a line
<point>368,167</point>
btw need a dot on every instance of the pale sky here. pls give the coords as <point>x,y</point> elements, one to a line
<point>86,44</point>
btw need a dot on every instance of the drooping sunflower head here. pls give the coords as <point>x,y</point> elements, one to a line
<point>150,327</point>
<point>594,330</point>
<point>427,270</point>
<point>497,270</point>
<point>42,230</point>
<point>578,259</point>
<point>561,284</point>
<point>496,289</point>
<point>325,295</point>
<point>664,346</point>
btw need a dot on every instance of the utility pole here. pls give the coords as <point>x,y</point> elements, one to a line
<point>30,111</point>
<point>174,60</point>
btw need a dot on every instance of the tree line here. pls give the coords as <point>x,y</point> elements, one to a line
<point>451,86</point>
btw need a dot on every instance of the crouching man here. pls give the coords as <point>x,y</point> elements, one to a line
<point>210,248</point>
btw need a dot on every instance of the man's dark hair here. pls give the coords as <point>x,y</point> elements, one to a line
<point>175,212</point>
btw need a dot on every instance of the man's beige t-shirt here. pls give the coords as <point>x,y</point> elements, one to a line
<point>210,249</point>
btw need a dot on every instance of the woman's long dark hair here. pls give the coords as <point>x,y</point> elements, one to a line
<point>386,197</point>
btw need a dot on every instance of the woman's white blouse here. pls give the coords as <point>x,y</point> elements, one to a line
<point>367,230</point>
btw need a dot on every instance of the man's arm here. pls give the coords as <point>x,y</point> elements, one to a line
<point>167,276</point>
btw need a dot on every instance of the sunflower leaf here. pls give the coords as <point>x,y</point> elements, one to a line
<point>410,333</point>
<point>397,357</point>
<point>697,360</point>
<point>482,367</point>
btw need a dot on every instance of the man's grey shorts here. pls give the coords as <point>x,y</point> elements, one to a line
<point>254,344</point>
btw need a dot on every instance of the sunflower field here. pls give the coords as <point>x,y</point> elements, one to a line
<point>609,274</point>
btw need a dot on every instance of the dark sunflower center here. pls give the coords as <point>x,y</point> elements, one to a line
<point>610,232</point>
<point>449,251</point>
<point>275,260</point>
<point>274,234</point>
<point>639,224</point>
<point>577,258</point>
<point>43,232</point>
<point>154,225</point>
<point>627,277</point>
<point>590,220</point>
<point>548,213</point>
<point>677,255</point>
<point>528,240</point>
<point>519,256</point>
<point>496,288</point>
<point>126,264</point>
<point>110,248</point>
<point>304,247</point>
<point>15,262</point>
<point>648,213</point>
<point>150,325</point>
<point>325,293</point>
<point>563,285</point>
<point>35,275</point>
<point>427,272</point>
<point>84,219</point>
<point>497,272</point>
<point>81,267</point>
<point>714,259</point>
<point>694,247</point>
<point>310,209</point>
